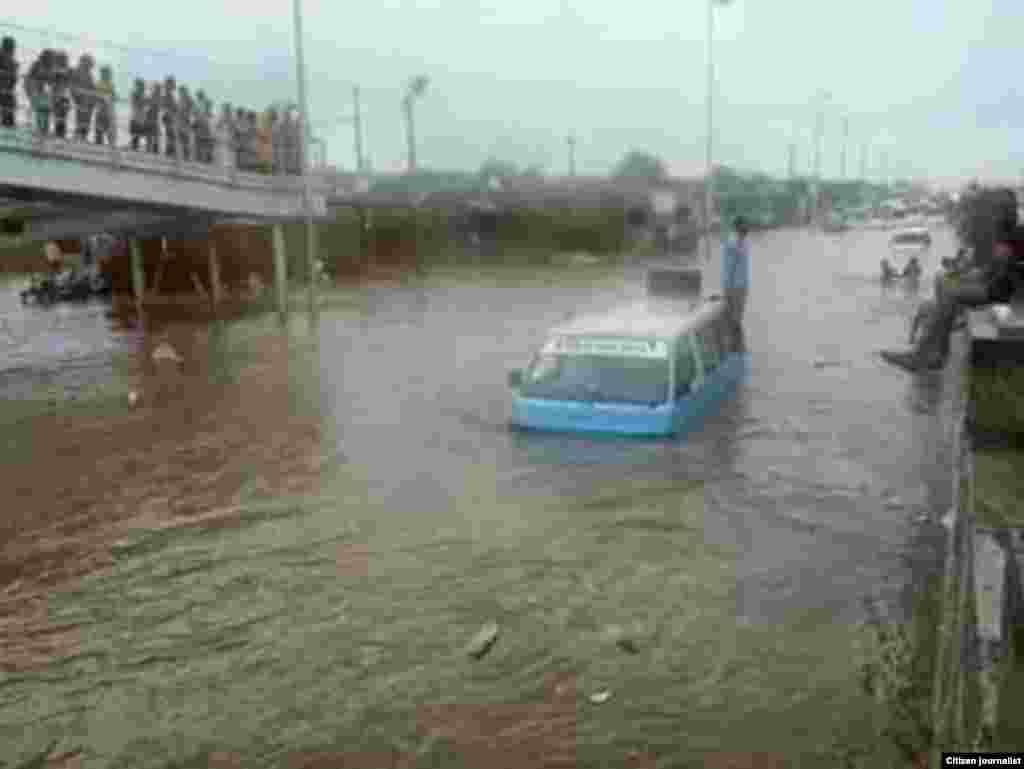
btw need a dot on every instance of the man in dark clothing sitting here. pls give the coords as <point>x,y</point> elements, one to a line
<point>1001,282</point>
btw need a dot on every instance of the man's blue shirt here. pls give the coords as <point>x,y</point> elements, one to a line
<point>735,264</point>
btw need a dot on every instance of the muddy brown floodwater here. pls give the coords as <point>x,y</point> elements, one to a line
<point>278,558</point>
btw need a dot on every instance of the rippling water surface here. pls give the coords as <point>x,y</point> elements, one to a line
<point>279,557</point>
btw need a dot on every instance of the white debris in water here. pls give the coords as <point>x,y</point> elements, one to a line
<point>483,641</point>
<point>949,518</point>
<point>164,351</point>
<point>133,398</point>
<point>601,697</point>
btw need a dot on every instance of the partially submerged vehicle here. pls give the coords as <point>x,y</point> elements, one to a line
<point>909,244</point>
<point>657,367</point>
<point>911,240</point>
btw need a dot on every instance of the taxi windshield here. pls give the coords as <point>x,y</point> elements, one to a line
<point>607,378</point>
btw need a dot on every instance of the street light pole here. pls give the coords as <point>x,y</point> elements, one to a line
<point>819,133</point>
<point>709,195</point>
<point>410,129</point>
<point>306,130</point>
<point>846,139</point>
<point>709,182</point>
<point>416,88</point>
<point>360,164</point>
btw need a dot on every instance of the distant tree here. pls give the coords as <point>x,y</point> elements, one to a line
<point>535,171</point>
<point>493,168</point>
<point>640,165</point>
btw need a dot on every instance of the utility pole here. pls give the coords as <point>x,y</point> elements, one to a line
<point>307,130</point>
<point>571,141</point>
<point>416,88</point>
<point>358,121</point>
<point>822,98</point>
<point>846,139</point>
<point>792,160</point>
<point>410,137</point>
<point>819,133</point>
<point>864,162</point>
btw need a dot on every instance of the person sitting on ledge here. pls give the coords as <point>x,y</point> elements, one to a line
<point>998,286</point>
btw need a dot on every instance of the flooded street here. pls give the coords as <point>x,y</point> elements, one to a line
<point>283,564</point>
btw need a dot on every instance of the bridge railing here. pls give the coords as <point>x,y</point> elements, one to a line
<point>24,129</point>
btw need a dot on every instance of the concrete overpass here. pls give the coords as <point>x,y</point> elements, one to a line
<point>56,188</point>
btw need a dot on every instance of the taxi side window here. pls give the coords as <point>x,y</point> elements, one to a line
<point>710,353</point>
<point>686,367</point>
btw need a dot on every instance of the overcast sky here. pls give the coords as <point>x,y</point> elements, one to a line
<point>932,82</point>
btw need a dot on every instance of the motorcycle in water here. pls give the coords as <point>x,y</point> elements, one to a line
<point>43,290</point>
<point>67,286</point>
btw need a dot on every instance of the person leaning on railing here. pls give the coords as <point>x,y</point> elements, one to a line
<point>169,116</point>
<point>83,92</point>
<point>106,97</point>
<point>287,143</point>
<point>152,119</point>
<point>202,128</point>
<point>8,82</point>
<point>137,126</point>
<point>186,109</point>
<point>249,140</point>
<point>241,142</point>
<point>226,138</point>
<point>265,141</point>
<point>37,88</point>
<point>60,91</point>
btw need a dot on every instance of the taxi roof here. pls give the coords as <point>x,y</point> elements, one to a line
<point>917,230</point>
<point>650,318</point>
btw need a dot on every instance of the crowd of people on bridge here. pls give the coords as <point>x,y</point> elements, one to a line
<point>165,117</point>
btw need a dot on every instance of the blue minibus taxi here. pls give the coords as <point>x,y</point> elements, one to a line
<point>657,367</point>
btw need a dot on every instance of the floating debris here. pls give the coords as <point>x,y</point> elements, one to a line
<point>483,641</point>
<point>949,519</point>
<point>133,398</point>
<point>39,760</point>
<point>164,351</point>
<point>628,645</point>
<point>893,503</point>
<point>601,697</point>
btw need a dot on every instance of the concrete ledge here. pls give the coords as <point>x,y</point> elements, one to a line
<point>993,631</point>
<point>991,594</point>
<point>994,342</point>
<point>1015,579</point>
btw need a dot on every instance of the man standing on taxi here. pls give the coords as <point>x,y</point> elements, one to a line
<point>736,277</point>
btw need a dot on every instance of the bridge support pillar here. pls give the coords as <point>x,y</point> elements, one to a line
<point>138,273</point>
<point>215,288</point>
<point>280,272</point>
